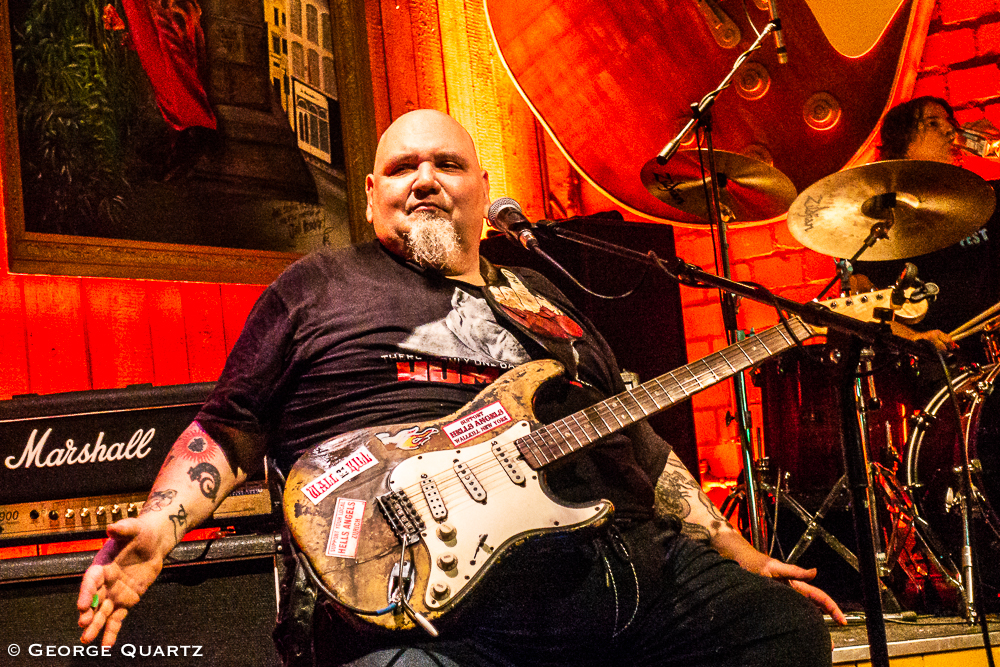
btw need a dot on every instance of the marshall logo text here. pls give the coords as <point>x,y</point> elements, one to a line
<point>34,453</point>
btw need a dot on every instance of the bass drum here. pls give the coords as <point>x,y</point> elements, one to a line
<point>934,452</point>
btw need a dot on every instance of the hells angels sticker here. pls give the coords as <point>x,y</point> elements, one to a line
<point>355,464</point>
<point>345,531</point>
<point>476,423</point>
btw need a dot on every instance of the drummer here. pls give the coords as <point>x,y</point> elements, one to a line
<point>968,272</point>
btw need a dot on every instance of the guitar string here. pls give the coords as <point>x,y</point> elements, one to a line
<point>552,431</point>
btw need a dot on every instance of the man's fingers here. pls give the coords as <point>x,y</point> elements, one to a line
<point>820,599</point>
<point>112,626</point>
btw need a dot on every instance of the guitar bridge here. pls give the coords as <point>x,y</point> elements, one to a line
<point>402,517</point>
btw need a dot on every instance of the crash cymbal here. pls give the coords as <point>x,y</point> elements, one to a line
<point>748,188</point>
<point>934,206</point>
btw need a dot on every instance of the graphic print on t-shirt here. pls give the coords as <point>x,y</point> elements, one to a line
<point>468,332</point>
<point>534,311</point>
<point>466,345</point>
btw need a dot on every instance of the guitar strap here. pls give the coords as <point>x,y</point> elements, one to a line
<point>533,314</point>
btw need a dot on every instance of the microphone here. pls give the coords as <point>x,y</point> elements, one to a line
<point>908,278</point>
<point>779,36</point>
<point>505,215</point>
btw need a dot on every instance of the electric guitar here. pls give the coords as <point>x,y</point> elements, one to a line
<point>439,502</point>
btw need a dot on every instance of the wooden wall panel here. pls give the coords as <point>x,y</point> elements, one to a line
<point>13,343</point>
<point>117,326</point>
<point>56,340</point>
<point>237,302</point>
<point>206,339</point>
<point>379,67</point>
<point>428,59</point>
<point>168,336</point>
<point>399,57</point>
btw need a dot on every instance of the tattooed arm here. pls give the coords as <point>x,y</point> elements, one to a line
<point>195,477</point>
<point>679,494</point>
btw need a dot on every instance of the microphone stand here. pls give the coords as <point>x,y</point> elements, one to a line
<point>876,335</point>
<point>702,117</point>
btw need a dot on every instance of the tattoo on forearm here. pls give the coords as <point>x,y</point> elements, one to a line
<point>672,490</point>
<point>195,446</point>
<point>180,522</point>
<point>676,490</point>
<point>208,479</point>
<point>158,500</point>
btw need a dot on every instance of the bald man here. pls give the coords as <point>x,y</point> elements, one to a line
<point>411,328</point>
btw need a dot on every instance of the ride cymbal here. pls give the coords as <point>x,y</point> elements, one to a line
<point>932,205</point>
<point>748,188</point>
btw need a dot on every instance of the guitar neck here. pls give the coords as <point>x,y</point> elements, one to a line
<point>571,434</point>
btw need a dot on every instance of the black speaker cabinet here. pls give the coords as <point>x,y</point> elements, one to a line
<point>210,613</point>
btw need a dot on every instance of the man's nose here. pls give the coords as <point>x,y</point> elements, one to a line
<point>426,176</point>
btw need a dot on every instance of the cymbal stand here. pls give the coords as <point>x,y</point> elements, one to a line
<point>701,116</point>
<point>815,529</point>
<point>880,230</point>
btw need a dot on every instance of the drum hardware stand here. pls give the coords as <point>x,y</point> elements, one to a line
<point>970,564</point>
<point>815,529</point>
<point>701,116</point>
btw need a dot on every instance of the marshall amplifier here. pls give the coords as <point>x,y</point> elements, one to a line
<point>73,463</point>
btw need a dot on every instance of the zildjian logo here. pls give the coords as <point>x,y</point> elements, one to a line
<point>812,209</point>
<point>668,184</point>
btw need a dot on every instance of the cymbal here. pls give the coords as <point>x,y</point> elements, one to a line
<point>748,188</point>
<point>934,205</point>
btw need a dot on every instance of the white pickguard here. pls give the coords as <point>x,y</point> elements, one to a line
<point>510,511</point>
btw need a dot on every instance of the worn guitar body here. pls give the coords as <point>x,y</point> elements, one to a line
<point>510,503</point>
<point>452,496</point>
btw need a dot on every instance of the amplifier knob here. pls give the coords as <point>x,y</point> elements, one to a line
<point>70,514</point>
<point>116,510</point>
<point>132,510</point>
<point>85,512</point>
<point>53,515</point>
<point>100,510</point>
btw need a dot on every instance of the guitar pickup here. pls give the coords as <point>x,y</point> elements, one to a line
<point>470,481</point>
<point>433,497</point>
<point>508,461</point>
<point>402,517</point>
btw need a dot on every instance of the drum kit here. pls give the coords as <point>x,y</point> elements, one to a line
<point>882,211</point>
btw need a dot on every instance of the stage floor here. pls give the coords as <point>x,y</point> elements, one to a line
<point>928,641</point>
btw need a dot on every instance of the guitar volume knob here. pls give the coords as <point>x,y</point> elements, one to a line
<point>446,532</point>
<point>447,562</point>
<point>440,591</point>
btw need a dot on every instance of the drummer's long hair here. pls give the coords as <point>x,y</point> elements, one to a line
<point>899,128</point>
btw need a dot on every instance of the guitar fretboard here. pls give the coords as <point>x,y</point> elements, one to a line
<point>570,434</point>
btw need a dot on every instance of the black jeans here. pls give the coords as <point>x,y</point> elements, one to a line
<point>574,602</point>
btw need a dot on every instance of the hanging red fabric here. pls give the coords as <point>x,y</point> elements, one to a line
<point>168,37</point>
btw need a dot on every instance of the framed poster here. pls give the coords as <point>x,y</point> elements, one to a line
<point>150,139</point>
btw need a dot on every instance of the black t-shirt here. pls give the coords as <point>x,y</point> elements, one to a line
<point>967,273</point>
<point>356,337</point>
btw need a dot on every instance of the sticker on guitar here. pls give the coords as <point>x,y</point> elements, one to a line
<point>476,423</point>
<point>355,464</point>
<point>345,530</point>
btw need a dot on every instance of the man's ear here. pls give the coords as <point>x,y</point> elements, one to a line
<point>486,193</point>
<point>369,187</point>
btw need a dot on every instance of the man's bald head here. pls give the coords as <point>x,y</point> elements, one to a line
<point>427,179</point>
